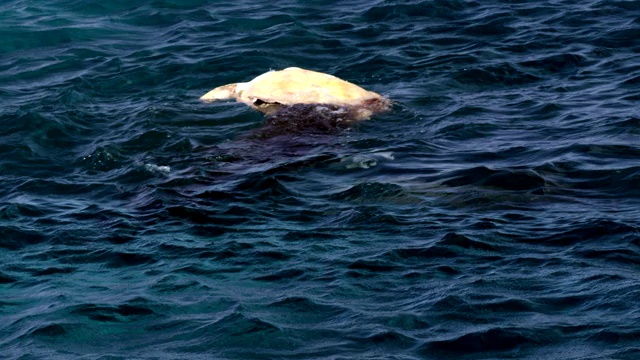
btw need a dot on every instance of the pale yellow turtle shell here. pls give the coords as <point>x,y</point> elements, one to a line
<point>293,85</point>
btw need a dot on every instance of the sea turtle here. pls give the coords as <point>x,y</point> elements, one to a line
<point>273,90</point>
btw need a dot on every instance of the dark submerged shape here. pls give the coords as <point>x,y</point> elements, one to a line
<point>305,119</point>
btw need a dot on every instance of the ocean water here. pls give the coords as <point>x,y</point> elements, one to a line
<point>493,213</point>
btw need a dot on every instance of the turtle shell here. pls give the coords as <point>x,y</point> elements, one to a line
<point>299,86</point>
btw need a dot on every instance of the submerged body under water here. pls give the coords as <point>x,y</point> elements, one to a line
<point>492,213</point>
<point>305,120</point>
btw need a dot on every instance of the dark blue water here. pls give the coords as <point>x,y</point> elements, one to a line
<point>493,213</point>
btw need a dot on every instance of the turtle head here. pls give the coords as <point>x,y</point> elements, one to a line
<point>221,93</point>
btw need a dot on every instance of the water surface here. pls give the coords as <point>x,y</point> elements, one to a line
<point>493,213</point>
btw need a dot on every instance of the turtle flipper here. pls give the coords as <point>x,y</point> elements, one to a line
<point>220,93</point>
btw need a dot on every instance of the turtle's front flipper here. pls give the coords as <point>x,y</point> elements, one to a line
<point>220,93</point>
